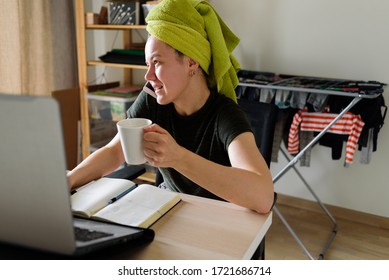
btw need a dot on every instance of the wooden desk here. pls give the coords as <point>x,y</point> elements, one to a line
<point>199,228</point>
<point>196,228</point>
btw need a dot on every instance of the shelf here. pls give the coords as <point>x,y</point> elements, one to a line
<point>119,65</point>
<point>114,26</point>
<point>83,63</point>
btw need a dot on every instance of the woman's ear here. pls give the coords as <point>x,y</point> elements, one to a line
<point>193,65</point>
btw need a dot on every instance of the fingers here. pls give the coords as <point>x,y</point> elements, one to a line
<point>158,146</point>
<point>154,128</point>
<point>152,136</point>
<point>153,132</point>
<point>154,144</point>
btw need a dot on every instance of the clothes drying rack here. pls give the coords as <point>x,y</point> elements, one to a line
<point>357,90</point>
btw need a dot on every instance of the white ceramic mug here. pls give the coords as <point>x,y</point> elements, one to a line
<point>131,138</point>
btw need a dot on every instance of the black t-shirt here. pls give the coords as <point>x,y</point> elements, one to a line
<point>208,133</point>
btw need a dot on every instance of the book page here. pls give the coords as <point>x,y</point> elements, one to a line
<point>141,207</point>
<point>92,197</point>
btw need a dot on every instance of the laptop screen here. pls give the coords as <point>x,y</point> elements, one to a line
<point>34,193</point>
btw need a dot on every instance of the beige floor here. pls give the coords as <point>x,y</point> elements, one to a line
<point>355,240</point>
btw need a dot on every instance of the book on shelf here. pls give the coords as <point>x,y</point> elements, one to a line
<point>99,87</point>
<point>127,92</point>
<point>123,202</point>
<point>124,56</point>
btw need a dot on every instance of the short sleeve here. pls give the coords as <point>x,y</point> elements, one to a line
<point>232,122</point>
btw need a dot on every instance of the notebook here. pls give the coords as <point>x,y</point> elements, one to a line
<point>35,206</point>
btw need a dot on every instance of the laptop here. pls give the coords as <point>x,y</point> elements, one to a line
<point>35,209</point>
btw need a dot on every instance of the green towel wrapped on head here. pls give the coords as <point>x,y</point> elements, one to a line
<point>194,28</point>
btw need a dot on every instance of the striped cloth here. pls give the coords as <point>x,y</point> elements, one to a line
<point>348,124</point>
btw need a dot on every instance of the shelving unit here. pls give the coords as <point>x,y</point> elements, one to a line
<point>84,63</point>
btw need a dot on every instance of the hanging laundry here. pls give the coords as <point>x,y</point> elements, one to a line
<point>348,124</point>
<point>292,93</point>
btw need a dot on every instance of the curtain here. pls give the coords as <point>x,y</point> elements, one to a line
<point>38,47</point>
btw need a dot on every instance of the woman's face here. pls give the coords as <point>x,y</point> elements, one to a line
<point>168,72</point>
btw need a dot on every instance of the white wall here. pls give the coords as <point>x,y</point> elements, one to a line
<point>327,38</point>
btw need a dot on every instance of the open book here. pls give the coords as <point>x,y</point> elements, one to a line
<point>121,201</point>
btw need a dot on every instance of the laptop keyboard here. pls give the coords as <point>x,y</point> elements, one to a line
<point>84,235</point>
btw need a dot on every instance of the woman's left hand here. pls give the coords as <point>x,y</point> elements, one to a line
<point>160,149</point>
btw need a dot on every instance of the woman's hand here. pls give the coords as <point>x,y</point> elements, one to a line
<point>160,149</point>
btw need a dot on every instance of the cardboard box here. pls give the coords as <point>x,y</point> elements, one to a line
<point>69,101</point>
<point>91,18</point>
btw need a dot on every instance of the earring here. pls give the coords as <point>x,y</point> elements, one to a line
<point>192,73</point>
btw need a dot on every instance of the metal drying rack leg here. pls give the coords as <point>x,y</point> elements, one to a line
<point>323,207</point>
<point>291,164</point>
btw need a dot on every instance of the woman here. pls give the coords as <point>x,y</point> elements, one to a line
<point>200,139</point>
